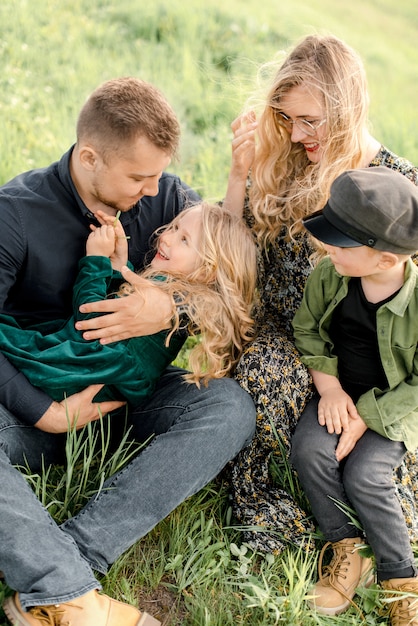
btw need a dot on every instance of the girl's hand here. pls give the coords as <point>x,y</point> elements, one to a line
<point>101,242</point>
<point>119,258</point>
<point>119,254</point>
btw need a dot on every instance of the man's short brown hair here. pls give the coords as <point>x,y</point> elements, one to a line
<point>123,109</point>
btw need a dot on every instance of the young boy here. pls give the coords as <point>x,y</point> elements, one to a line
<point>357,331</point>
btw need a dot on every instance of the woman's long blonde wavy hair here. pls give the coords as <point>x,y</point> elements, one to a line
<point>217,299</point>
<point>286,186</point>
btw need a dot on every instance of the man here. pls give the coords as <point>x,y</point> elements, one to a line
<point>126,136</point>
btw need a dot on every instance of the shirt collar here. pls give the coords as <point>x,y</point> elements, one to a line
<point>400,302</point>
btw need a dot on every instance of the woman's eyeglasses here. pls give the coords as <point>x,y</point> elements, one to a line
<point>307,127</point>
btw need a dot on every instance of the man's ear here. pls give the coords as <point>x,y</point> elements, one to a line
<point>388,260</point>
<point>88,157</point>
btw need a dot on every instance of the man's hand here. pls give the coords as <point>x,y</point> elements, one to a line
<point>145,312</point>
<point>76,410</point>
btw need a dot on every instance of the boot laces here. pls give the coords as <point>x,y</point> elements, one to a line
<point>337,569</point>
<point>403,608</point>
<point>48,615</point>
<point>52,615</point>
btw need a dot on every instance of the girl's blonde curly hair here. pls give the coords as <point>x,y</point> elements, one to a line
<point>217,299</point>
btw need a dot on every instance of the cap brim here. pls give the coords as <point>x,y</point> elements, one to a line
<point>322,229</point>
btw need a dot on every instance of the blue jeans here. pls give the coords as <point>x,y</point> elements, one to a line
<point>363,481</point>
<point>197,432</point>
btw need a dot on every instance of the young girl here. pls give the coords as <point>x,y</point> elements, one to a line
<point>205,258</point>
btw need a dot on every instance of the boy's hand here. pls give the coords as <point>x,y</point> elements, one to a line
<point>349,438</point>
<point>336,410</point>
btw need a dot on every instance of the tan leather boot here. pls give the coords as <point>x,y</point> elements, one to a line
<point>91,609</point>
<point>335,590</point>
<point>403,608</point>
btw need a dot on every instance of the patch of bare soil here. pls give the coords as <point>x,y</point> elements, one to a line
<point>162,604</point>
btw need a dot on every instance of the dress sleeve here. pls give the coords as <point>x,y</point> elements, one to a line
<point>92,283</point>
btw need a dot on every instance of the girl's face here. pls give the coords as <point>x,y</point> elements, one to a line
<point>305,105</point>
<point>179,245</point>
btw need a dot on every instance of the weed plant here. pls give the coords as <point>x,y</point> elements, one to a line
<point>193,568</point>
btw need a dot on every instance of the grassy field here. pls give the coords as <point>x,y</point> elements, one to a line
<point>193,568</point>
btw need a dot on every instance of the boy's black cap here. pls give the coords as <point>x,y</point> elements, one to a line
<point>374,206</point>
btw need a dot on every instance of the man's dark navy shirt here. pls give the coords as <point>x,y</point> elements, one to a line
<point>43,233</point>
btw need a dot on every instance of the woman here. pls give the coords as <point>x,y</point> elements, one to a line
<point>314,126</point>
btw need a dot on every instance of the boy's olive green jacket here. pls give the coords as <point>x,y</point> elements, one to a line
<point>391,412</point>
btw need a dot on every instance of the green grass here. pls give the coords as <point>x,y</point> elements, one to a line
<point>193,568</point>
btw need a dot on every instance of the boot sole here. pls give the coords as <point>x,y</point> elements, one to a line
<point>16,618</point>
<point>13,614</point>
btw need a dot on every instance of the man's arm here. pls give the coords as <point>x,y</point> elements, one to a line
<point>145,312</point>
<point>17,395</point>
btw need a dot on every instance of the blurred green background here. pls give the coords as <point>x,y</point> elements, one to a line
<point>204,55</point>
